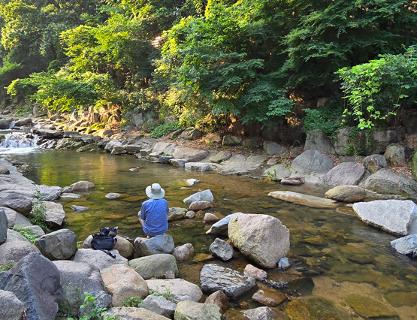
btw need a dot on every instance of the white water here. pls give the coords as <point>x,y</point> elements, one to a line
<point>18,142</point>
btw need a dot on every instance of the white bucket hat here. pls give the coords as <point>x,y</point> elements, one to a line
<point>155,191</point>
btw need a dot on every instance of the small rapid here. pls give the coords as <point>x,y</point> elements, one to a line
<point>18,142</point>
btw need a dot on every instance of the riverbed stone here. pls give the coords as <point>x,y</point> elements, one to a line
<point>3,226</point>
<point>277,172</point>
<point>303,199</point>
<point>210,218</point>
<point>123,245</point>
<point>11,216</point>
<point>112,196</point>
<point>375,162</point>
<point>214,277</point>
<point>311,162</point>
<point>221,249</point>
<point>394,216</point>
<point>76,208</point>
<point>314,308</point>
<point>11,308</point>
<point>220,156</point>
<point>54,213</point>
<point>36,282</point>
<point>80,186</point>
<point>130,313</point>
<point>155,266</point>
<point>406,245</point>
<point>14,250</point>
<point>190,310</point>
<point>190,214</point>
<point>123,282</point>
<point>386,181</point>
<point>69,196</point>
<point>240,164</point>
<point>262,238</point>
<point>98,259</point>
<point>269,297</point>
<point>49,193</point>
<point>35,230</point>
<point>260,313</point>
<point>191,182</point>
<point>369,308</point>
<point>159,305</point>
<point>200,205</point>
<point>205,195</point>
<point>18,198</point>
<point>318,140</point>
<point>272,148</point>
<point>176,213</point>
<point>179,289</point>
<point>163,243</point>
<point>184,252</point>
<point>220,299</point>
<point>352,194</point>
<point>221,226</point>
<point>58,245</point>
<point>345,173</point>
<point>395,155</point>
<point>190,154</point>
<point>254,272</point>
<point>199,166</point>
<point>78,278</point>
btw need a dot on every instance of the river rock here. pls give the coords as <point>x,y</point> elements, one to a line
<point>190,214</point>
<point>269,297</point>
<point>303,199</point>
<point>179,289</point>
<point>220,156</point>
<point>190,310</point>
<point>69,196</point>
<point>4,170</point>
<point>35,230</point>
<point>36,282</point>
<point>221,226</point>
<point>315,308</point>
<point>395,155</point>
<point>80,186</point>
<point>210,218</point>
<point>345,173</point>
<point>5,124</point>
<point>49,193</point>
<point>163,243</point>
<point>261,313</point>
<point>124,246</point>
<point>98,259</point>
<point>155,266</point>
<point>318,140</point>
<point>112,196</point>
<point>262,238</point>
<point>21,220</point>
<point>273,149</point>
<point>229,140</point>
<point>54,213</point>
<point>11,216</point>
<point>191,134</point>
<point>58,245</point>
<point>14,250</point>
<point>369,308</point>
<point>76,208</point>
<point>311,162</point>
<point>205,195</point>
<point>176,213</point>
<point>352,194</point>
<point>220,299</point>
<point>3,226</point>
<point>18,199</point>
<point>200,205</point>
<point>254,272</point>
<point>191,182</point>
<point>123,282</point>
<point>25,122</point>
<point>199,166</point>
<point>179,163</point>
<point>231,282</point>
<point>11,308</point>
<point>277,172</point>
<point>221,249</point>
<point>184,252</point>
<point>386,181</point>
<point>129,313</point>
<point>284,263</point>
<point>78,278</point>
<point>374,162</point>
<point>240,164</point>
<point>394,216</point>
<point>406,245</point>
<point>190,154</point>
<point>159,305</point>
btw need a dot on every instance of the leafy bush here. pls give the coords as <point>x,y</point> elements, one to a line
<point>134,302</point>
<point>164,129</point>
<point>326,119</point>
<point>28,234</point>
<point>90,311</point>
<point>37,215</point>
<point>376,90</point>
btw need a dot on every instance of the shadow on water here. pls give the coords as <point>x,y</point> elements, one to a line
<point>341,254</point>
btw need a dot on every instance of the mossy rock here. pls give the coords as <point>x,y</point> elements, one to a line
<point>315,308</point>
<point>369,308</point>
<point>401,298</point>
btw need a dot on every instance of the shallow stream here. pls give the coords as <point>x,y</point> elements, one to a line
<point>336,256</point>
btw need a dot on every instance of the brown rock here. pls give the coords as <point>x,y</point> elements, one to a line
<point>220,299</point>
<point>254,272</point>
<point>269,297</point>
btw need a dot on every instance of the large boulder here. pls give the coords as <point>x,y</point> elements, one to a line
<point>386,181</point>
<point>395,155</point>
<point>406,245</point>
<point>205,195</point>
<point>345,173</point>
<point>123,282</point>
<point>36,282</point>
<point>184,252</point>
<point>200,166</point>
<point>159,305</point>
<point>277,172</point>
<point>98,259</point>
<point>303,199</point>
<point>190,310</point>
<point>221,226</point>
<point>398,217</point>
<point>318,140</point>
<point>262,238</point>
<point>78,278</point>
<point>221,249</point>
<point>374,162</point>
<point>58,245</point>
<point>220,156</point>
<point>214,277</point>
<point>3,226</point>
<point>80,186</point>
<point>352,194</point>
<point>18,199</point>
<point>311,162</point>
<point>178,289</point>
<point>11,216</point>
<point>273,149</point>
<point>190,154</point>
<point>163,148</point>
<point>49,193</point>
<point>163,243</point>
<point>54,213</point>
<point>155,266</point>
<point>11,308</point>
<point>15,249</point>
<point>240,164</point>
<point>130,313</point>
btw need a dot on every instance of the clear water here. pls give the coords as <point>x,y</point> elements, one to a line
<point>340,254</point>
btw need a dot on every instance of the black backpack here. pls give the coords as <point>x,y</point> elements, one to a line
<point>105,240</point>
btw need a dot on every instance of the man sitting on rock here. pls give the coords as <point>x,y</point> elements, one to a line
<point>153,215</point>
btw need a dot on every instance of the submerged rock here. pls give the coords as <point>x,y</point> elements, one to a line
<point>314,308</point>
<point>76,208</point>
<point>177,289</point>
<point>394,216</point>
<point>406,245</point>
<point>261,313</point>
<point>113,196</point>
<point>205,195</point>
<point>155,266</point>
<point>262,238</point>
<point>369,308</point>
<point>269,297</point>
<point>190,310</point>
<point>231,282</point>
<point>80,186</point>
<point>303,199</point>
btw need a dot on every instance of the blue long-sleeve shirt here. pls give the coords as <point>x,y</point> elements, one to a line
<point>154,214</point>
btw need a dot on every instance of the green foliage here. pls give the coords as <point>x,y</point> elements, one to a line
<point>28,234</point>
<point>134,302</point>
<point>376,90</point>
<point>167,294</point>
<point>327,119</point>
<point>90,311</point>
<point>164,129</point>
<point>360,142</point>
<point>6,266</point>
<point>37,215</point>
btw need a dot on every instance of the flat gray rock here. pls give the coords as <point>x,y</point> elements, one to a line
<point>345,173</point>
<point>58,245</point>
<point>406,245</point>
<point>155,266</point>
<point>98,259</point>
<point>221,249</point>
<point>179,289</point>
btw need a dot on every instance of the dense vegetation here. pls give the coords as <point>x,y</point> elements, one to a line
<point>216,62</point>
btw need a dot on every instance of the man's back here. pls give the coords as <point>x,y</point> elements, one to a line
<point>154,213</point>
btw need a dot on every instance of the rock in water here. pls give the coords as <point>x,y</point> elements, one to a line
<point>184,252</point>
<point>262,238</point>
<point>261,313</point>
<point>406,245</point>
<point>178,289</point>
<point>221,226</point>
<point>394,216</point>
<point>254,272</point>
<point>221,249</point>
<point>123,282</point>
<point>176,213</point>
<point>163,243</point>
<point>231,282</point>
<point>159,305</point>
<point>112,196</point>
<point>303,199</point>
<point>129,313</point>
<point>35,281</point>
<point>77,278</point>
<point>50,193</point>
<point>210,218</point>
<point>355,194</point>
<point>190,310</point>
<point>205,195</point>
<point>58,245</point>
<point>3,226</point>
<point>220,299</point>
<point>200,205</point>
<point>155,266</point>
<point>80,186</point>
<point>11,308</point>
